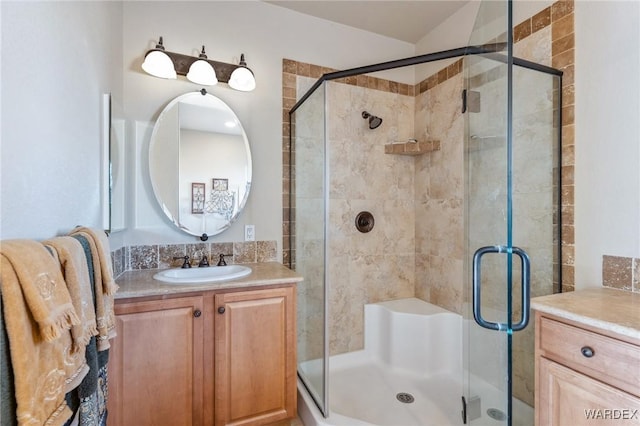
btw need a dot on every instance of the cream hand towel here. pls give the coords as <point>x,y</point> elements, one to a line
<point>76,274</point>
<point>105,286</point>
<point>43,286</point>
<point>38,313</point>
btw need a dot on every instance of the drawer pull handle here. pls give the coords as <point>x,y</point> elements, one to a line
<point>197,313</point>
<point>221,310</point>
<point>587,351</point>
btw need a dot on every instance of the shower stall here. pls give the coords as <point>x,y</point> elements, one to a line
<point>459,177</point>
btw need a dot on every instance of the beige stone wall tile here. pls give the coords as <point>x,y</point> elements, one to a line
<point>617,272</point>
<point>310,294</point>
<point>568,95</point>
<point>221,248</point>
<point>166,254</point>
<point>562,27</point>
<point>535,48</point>
<point>563,44</point>
<point>568,154</point>
<point>118,261</point>
<point>143,257</point>
<point>561,9</point>
<point>541,20</point>
<point>447,283</point>
<point>196,251</point>
<point>522,30</point>
<point>244,252</point>
<point>266,251</point>
<point>422,277</point>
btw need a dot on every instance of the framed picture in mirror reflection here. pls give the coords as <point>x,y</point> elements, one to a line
<point>197,198</point>
<point>220,184</point>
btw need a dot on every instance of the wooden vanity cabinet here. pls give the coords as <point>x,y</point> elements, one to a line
<point>584,376</point>
<point>156,363</point>
<point>255,347</point>
<point>221,357</point>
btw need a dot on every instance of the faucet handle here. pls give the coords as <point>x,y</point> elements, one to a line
<point>222,262</point>
<point>186,263</point>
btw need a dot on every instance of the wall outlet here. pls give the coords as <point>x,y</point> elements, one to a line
<point>249,233</point>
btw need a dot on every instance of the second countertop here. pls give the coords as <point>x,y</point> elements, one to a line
<point>604,308</point>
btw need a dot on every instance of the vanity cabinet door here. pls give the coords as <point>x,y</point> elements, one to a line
<point>255,356</point>
<point>570,398</point>
<point>156,361</point>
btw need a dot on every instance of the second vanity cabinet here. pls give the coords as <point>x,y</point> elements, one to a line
<point>219,357</point>
<point>586,374</point>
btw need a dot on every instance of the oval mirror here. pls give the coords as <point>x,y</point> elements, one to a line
<point>200,164</point>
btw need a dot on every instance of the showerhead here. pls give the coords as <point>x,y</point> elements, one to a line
<point>374,122</point>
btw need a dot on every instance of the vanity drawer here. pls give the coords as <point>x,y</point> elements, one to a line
<point>604,358</point>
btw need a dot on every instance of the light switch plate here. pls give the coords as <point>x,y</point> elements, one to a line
<point>249,233</point>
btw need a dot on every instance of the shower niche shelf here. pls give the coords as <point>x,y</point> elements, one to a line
<point>412,148</point>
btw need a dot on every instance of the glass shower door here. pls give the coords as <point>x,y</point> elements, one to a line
<point>495,267</point>
<point>308,239</point>
<point>513,250</point>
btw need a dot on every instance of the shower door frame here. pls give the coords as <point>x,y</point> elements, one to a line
<point>488,50</point>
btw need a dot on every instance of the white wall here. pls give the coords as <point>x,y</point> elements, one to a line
<point>607,147</point>
<point>266,34</point>
<point>57,61</point>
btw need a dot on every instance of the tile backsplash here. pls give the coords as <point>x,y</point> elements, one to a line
<point>621,273</point>
<point>160,256</point>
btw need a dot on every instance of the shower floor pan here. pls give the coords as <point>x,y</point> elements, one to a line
<point>374,386</point>
<point>365,393</point>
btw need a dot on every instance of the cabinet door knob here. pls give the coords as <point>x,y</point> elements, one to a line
<point>197,313</point>
<point>587,351</point>
<point>221,310</point>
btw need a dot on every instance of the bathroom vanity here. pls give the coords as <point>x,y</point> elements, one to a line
<point>587,356</point>
<point>207,353</point>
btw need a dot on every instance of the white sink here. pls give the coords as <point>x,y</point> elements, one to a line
<point>202,275</point>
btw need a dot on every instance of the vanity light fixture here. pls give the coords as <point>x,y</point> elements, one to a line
<point>242,77</point>
<point>158,63</point>
<point>200,70</point>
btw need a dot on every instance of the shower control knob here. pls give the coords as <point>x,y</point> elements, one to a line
<point>197,313</point>
<point>364,222</point>
<point>221,310</point>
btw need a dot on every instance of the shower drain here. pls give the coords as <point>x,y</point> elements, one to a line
<point>405,398</point>
<point>496,414</point>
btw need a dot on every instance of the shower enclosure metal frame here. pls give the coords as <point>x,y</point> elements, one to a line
<point>491,51</point>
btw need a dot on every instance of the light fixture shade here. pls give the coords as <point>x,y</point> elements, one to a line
<point>242,77</point>
<point>159,64</point>
<point>201,72</point>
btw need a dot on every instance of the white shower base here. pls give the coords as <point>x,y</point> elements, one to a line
<point>411,346</point>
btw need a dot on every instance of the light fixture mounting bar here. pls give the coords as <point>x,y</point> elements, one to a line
<point>183,62</point>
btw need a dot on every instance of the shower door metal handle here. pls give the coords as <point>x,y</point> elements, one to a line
<point>525,283</point>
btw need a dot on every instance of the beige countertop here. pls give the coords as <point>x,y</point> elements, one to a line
<point>142,284</point>
<point>609,309</point>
